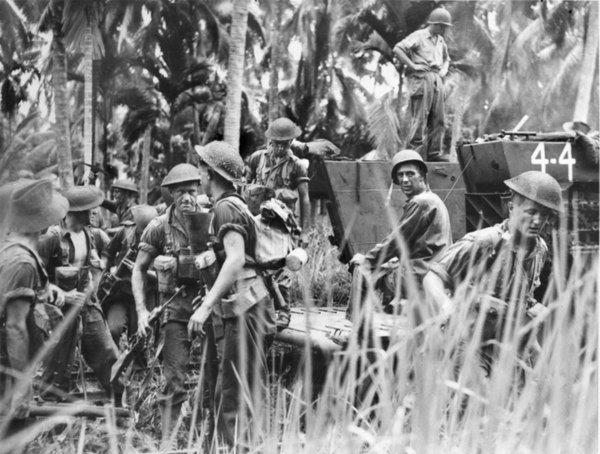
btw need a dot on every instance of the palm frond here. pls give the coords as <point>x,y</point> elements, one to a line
<point>384,125</point>
<point>565,74</point>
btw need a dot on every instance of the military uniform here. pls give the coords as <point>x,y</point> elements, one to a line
<point>97,347</point>
<point>23,277</point>
<point>426,89</point>
<point>167,235</point>
<point>119,306</point>
<point>248,319</point>
<point>489,261</point>
<point>424,229</point>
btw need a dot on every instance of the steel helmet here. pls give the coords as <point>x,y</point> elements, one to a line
<point>181,173</point>
<point>142,215</point>
<point>440,16</point>
<point>223,159</point>
<point>125,185</point>
<point>405,157</point>
<point>539,187</point>
<point>283,129</point>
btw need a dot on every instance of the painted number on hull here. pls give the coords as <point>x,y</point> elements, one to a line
<point>565,159</point>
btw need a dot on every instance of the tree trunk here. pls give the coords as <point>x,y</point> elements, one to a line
<point>61,105</point>
<point>235,72</point>
<point>276,58</point>
<point>88,105</point>
<point>145,167</point>
<point>588,70</point>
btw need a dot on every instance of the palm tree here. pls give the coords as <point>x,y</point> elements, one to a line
<point>235,72</point>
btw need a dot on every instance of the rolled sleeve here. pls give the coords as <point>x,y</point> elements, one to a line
<point>19,282</point>
<point>153,238</point>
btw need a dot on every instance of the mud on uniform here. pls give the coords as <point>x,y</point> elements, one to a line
<point>487,261</point>
<point>97,347</point>
<point>247,316</point>
<point>22,277</point>
<point>167,235</point>
<point>426,91</point>
<point>424,228</point>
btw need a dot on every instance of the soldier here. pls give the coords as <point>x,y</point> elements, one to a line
<point>276,171</point>
<point>72,261</point>
<point>502,262</point>
<point>238,298</point>
<point>425,55</point>
<point>124,193</point>
<point>423,233</point>
<point>279,169</point>
<point>167,237</point>
<point>119,256</point>
<point>29,208</point>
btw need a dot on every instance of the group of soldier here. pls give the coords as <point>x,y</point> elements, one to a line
<point>56,265</point>
<point>68,284</point>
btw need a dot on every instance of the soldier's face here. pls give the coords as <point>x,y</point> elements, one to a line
<point>280,147</point>
<point>410,179</point>
<point>184,197</point>
<point>118,195</point>
<point>527,217</point>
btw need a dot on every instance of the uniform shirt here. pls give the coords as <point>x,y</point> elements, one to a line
<point>56,249</point>
<point>425,230</point>
<point>230,213</point>
<point>266,170</point>
<point>22,274</point>
<point>487,257</point>
<point>154,241</point>
<point>125,238</point>
<point>424,48</point>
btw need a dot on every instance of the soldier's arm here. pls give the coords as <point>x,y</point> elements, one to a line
<point>446,64</point>
<point>138,287</point>
<point>304,205</point>
<point>436,293</point>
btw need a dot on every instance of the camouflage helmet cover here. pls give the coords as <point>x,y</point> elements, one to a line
<point>181,173</point>
<point>223,159</point>
<point>539,187</point>
<point>283,129</point>
<point>407,157</point>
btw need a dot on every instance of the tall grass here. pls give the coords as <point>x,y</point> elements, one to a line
<point>410,397</point>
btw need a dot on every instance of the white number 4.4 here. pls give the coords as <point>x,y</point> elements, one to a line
<point>566,158</point>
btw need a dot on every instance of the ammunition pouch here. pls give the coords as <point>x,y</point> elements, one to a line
<point>72,278</point>
<point>248,290</point>
<point>187,272</point>
<point>166,272</point>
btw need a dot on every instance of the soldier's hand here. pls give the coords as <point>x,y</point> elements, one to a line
<point>322,147</point>
<point>143,324</point>
<point>57,296</point>
<point>197,321</point>
<point>74,297</point>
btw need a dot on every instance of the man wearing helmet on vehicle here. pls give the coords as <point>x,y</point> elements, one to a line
<point>422,235</point>
<point>238,299</point>
<point>167,237</point>
<point>500,265</point>
<point>425,55</point>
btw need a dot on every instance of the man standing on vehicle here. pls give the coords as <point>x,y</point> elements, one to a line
<point>500,264</point>
<point>29,207</point>
<point>423,233</point>
<point>167,239</point>
<point>238,299</point>
<point>425,55</point>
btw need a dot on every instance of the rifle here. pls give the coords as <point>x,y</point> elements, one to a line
<point>128,355</point>
<point>111,279</point>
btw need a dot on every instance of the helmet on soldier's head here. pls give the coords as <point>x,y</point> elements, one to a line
<point>181,173</point>
<point>223,159</point>
<point>407,157</point>
<point>539,187</point>
<point>142,215</point>
<point>283,129</point>
<point>125,185</point>
<point>440,16</point>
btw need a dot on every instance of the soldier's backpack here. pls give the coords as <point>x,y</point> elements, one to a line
<point>275,231</point>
